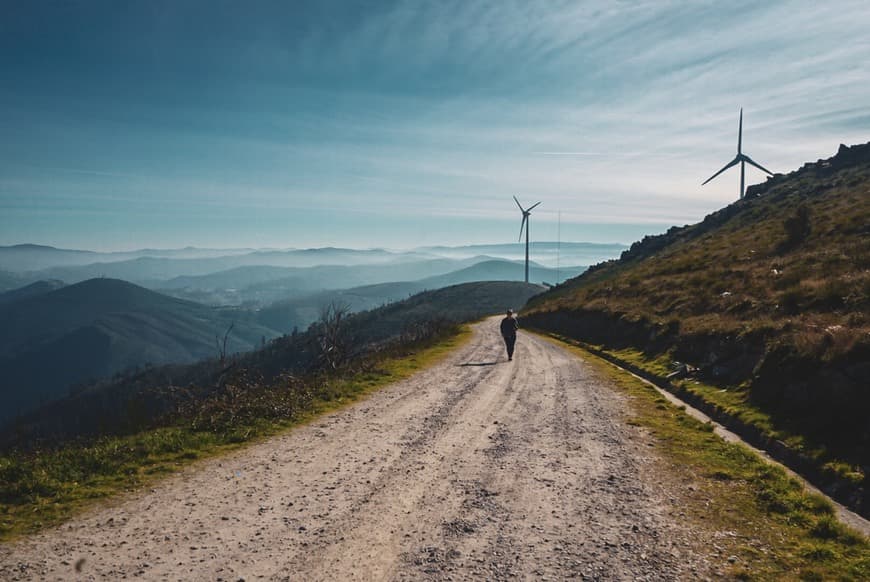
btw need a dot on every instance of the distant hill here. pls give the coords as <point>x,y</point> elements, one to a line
<point>463,302</point>
<point>133,401</point>
<point>502,270</point>
<point>152,267</point>
<point>32,290</point>
<point>30,257</point>
<point>299,312</point>
<point>10,281</point>
<point>549,253</point>
<point>262,285</point>
<point>769,296</point>
<point>53,340</point>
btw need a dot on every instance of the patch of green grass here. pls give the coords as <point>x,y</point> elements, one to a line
<point>781,531</point>
<point>41,489</point>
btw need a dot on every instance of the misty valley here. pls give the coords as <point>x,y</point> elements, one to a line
<point>95,315</point>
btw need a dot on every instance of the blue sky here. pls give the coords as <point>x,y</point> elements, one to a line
<point>397,124</point>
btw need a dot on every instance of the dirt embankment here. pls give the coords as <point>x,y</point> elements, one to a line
<point>825,400</point>
<point>477,468</point>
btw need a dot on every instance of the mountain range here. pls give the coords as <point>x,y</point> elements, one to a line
<point>53,340</point>
<point>102,326</point>
<point>135,400</point>
<point>299,312</point>
<point>24,264</point>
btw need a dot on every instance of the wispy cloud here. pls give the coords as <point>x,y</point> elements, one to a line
<point>424,110</point>
<point>82,172</point>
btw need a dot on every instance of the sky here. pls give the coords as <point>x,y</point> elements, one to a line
<point>398,124</point>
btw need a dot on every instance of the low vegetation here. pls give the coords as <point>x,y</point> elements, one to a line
<point>764,304</point>
<point>148,398</point>
<point>123,432</point>
<point>45,486</point>
<point>766,525</point>
<point>57,338</point>
<point>735,403</point>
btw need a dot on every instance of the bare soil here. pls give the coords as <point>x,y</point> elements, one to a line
<point>477,468</point>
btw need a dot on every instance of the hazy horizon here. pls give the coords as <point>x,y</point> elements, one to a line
<point>403,124</point>
<point>533,244</point>
<point>603,234</point>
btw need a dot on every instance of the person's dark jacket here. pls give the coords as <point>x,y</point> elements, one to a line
<point>509,327</point>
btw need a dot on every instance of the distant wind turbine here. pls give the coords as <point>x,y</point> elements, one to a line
<point>740,159</point>
<point>525,224</point>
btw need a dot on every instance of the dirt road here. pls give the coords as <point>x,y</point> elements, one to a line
<point>477,468</point>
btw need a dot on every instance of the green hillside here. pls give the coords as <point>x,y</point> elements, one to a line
<point>32,290</point>
<point>300,311</point>
<point>146,398</point>
<point>769,298</point>
<point>457,303</point>
<point>53,340</point>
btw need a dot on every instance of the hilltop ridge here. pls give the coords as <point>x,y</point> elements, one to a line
<point>776,185</point>
<point>52,340</point>
<point>767,298</point>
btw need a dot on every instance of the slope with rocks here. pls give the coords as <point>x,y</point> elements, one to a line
<point>767,298</point>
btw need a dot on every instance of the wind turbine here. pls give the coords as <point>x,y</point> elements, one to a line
<point>525,224</point>
<point>741,159</point>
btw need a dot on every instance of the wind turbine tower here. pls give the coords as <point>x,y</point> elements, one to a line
<point>741,159</point>
<point>525,224</point>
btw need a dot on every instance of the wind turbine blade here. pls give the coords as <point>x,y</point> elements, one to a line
<point>529,209</point>
<point>523,210</point>
<point>522,225</point>
<point>749,160</point>
<point>733,162</point>
<point>740,132</point>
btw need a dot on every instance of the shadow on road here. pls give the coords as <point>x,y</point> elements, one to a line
<point>477,364</point>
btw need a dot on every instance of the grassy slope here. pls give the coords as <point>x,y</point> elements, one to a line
<point>735,277</point>
<point>155,420</point>
<point>134,401</point>
<point>100,327</point>
<point>778,324</point>
<point>41,489</point>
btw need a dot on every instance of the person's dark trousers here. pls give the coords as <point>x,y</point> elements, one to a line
<point>509,341</point>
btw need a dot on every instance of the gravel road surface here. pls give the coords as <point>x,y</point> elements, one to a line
<point>475,469</point>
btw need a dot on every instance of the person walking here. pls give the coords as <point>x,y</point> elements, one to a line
<point>509,327</point>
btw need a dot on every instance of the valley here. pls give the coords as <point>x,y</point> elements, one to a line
<point>94,329</point>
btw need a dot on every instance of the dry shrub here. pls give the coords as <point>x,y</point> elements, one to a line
<point>245,398</point>
<point>827,342</point>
